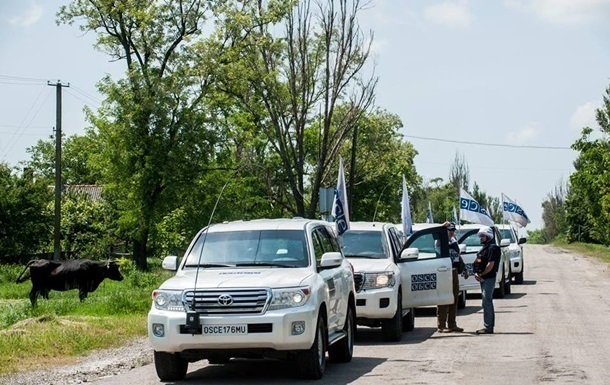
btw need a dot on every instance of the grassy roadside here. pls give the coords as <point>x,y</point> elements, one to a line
<point>61,329</point>
<point>599,252</point>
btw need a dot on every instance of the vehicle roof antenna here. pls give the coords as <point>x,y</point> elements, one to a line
<point>192,317</point>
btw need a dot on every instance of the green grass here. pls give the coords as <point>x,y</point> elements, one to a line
<point>63,328</point>
<point>599,252</point>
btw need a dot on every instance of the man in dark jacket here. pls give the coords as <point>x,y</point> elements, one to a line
<point>485,269</point>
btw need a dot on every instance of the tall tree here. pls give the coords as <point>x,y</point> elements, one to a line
<point>153,132</point>
<point>459,173</point>
<point>292,78</point>
<point>554,212</point>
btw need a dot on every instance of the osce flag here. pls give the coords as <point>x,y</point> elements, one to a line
<point>471,210</point>
<point>340,210</point>
<point>513,212</point>
<point>454,217</point>
<point>407,222</point>
<point>429,218</point>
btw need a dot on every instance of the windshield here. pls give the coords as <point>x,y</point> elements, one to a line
<point>282,248</point>
<point>364,244</point>
<point>507,234</point>
<point>473,243</point>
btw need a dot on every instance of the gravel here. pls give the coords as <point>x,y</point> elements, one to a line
<point>96,365</point>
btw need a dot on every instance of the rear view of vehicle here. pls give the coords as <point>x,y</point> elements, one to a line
<point>515,250</point>
<point>255,289</point>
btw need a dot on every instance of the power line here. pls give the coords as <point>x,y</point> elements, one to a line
<point>488,144</point>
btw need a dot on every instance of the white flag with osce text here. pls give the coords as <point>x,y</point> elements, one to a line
<point>513,212</point>
<point>429,218</point>
<point>407,222</point>
<point>472,211</point>
<point>340,210</point>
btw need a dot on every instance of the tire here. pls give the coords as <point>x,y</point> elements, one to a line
<point>170,366</point>
<point>312,362</point>
<point>519,278</point>
<point>408,321</point>
<point>392,328</point>
<point>508,286</point>
<point>501,291</point>
<point>461,300</point>
<point>343,350</point>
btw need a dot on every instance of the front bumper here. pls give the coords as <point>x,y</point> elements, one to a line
<point>377,303</point>
<point>272,330</point>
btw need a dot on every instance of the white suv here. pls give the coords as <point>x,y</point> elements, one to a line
<point>515,249</point>
<point>390,284</point>
<point>277,288</point>
<point>467,235</point>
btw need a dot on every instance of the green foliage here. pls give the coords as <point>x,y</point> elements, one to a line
<point>537,237</point>
<point>588,202</point>
<point>554,212</point>
<point>25,219</point>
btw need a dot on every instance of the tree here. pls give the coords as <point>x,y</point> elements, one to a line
<point>459,173</point>
<point>588,201</point>
<point>26,218</point>
<point>152,129</point>
<point>293,79</point>
<point>554,212</point>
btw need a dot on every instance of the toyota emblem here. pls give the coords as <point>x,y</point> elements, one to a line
<point>225,300</point>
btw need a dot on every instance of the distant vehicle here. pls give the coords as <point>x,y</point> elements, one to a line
<point>390,285</point>
<point>467,235</point>
<point>267,288</point>
<point>515,250</point>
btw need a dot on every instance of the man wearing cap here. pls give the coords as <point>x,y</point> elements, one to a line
<point>446,314</point>
<point>485,268</point>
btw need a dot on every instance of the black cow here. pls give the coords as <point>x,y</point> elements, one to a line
<point>81,274</point>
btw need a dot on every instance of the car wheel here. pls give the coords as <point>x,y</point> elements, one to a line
<point>462,300</point>
<point>392,328</point>
<point>408,321</point>
<point>519,278</point>
<point>170,366</point>
<point>313,360</point>
<point>508,284</point>
<point>343,350</point>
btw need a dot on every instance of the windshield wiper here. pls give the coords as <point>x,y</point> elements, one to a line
<point>262,264</point>
<point>209,265</point>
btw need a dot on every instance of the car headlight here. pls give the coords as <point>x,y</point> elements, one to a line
<point>289,297</point>
<point>168,300</point>
<point>379,280</point>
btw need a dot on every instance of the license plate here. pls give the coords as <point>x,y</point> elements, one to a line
<point>221,330</point>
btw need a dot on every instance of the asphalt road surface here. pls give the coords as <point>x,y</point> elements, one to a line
<point>553,329</point>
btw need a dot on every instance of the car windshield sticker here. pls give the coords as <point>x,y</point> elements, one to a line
<point>423,282</point>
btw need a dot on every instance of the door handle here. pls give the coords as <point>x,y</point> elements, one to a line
<point>442,269</point>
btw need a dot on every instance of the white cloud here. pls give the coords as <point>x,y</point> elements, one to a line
<point>584,116</point>
<point>450,13</point>
<point>564,12</point>
<point>523,135</point>
<point>27,18</point>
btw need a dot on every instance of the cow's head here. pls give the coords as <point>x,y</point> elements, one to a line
<point>112,271</point>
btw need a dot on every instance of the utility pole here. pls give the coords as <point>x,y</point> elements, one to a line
<point>58,185</point>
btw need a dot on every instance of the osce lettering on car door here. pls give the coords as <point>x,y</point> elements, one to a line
<point>426,255</point>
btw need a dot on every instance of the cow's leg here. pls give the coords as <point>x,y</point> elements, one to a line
<point>34,296</point>
<point>82,294</point>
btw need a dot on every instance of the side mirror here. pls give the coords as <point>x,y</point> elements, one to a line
<point>462,248</point>
<point>504,242</point>
<point>522,241</point>
<point>170,263</point>
<point>410,253</point>
<point>331,259</point>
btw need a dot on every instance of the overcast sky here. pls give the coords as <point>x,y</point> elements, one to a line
<point>520,77</point>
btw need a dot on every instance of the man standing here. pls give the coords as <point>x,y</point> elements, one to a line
<point>446,314</point>
<point>485,268</point>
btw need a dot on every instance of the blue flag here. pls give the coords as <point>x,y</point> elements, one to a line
<point>340,210</point>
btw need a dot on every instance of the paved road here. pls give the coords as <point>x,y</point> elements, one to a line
<point>552,329</point>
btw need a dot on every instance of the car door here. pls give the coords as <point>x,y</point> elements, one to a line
<point>473,245</point>
<point>332,276</point>
<point>426,280</point>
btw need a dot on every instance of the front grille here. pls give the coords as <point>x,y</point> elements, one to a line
<point>358,281</point>
<point>228,301</point>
